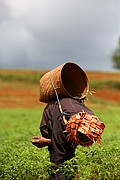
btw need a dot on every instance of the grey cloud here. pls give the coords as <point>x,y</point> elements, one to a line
<point>4,11</point>
<point>42,34</point>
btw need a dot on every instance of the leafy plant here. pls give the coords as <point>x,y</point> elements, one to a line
<point>19,159</point>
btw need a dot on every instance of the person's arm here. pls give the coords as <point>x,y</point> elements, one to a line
<point>45,139</point>
<point>40,141</point>
<point>45,124</point>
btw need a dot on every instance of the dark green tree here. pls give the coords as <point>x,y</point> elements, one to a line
<point>116,56</point>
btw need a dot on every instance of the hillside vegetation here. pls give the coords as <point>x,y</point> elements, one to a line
<point>20,88</point>
<point>20,114</point>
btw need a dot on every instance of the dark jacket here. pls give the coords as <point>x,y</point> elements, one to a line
<point>52,126</point>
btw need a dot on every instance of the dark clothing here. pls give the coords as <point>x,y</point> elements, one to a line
<point>52,126</point>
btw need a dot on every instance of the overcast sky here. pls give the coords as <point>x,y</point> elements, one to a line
<point>42,34</point>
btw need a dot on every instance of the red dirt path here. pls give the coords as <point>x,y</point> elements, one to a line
<point>109,95</point>
<point>21,94</point>
<point>16,97</point>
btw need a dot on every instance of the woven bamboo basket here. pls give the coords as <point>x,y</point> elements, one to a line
<point>68,79</point>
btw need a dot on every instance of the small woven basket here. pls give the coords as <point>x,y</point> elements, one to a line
<point>69,80</point>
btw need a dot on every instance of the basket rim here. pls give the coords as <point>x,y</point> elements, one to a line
<point>87,87</point>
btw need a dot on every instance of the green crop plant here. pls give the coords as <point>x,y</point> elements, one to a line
<point>19,159</point>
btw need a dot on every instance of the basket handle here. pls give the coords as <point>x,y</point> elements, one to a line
<point>59,105</point>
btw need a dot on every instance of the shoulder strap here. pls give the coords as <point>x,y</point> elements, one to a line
<point>59,105</point>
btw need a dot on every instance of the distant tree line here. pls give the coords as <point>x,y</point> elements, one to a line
<point>116,56</point>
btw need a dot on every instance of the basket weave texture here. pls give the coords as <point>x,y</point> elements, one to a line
<point>68,79</point>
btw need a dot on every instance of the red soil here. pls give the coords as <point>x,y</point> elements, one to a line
<point>21,94</point>
<point>103,76</point>
<point>109,95</point>
<point>11,97</point>
<point>16,97</point>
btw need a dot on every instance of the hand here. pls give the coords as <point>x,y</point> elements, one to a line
<point>40,141</point>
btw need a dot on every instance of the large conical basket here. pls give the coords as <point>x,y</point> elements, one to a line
<point>69,80</point>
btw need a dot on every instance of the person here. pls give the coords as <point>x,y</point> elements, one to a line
<point>66,121</point>
<point>52,128</point>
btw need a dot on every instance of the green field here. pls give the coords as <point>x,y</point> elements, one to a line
<point>19,159</point>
